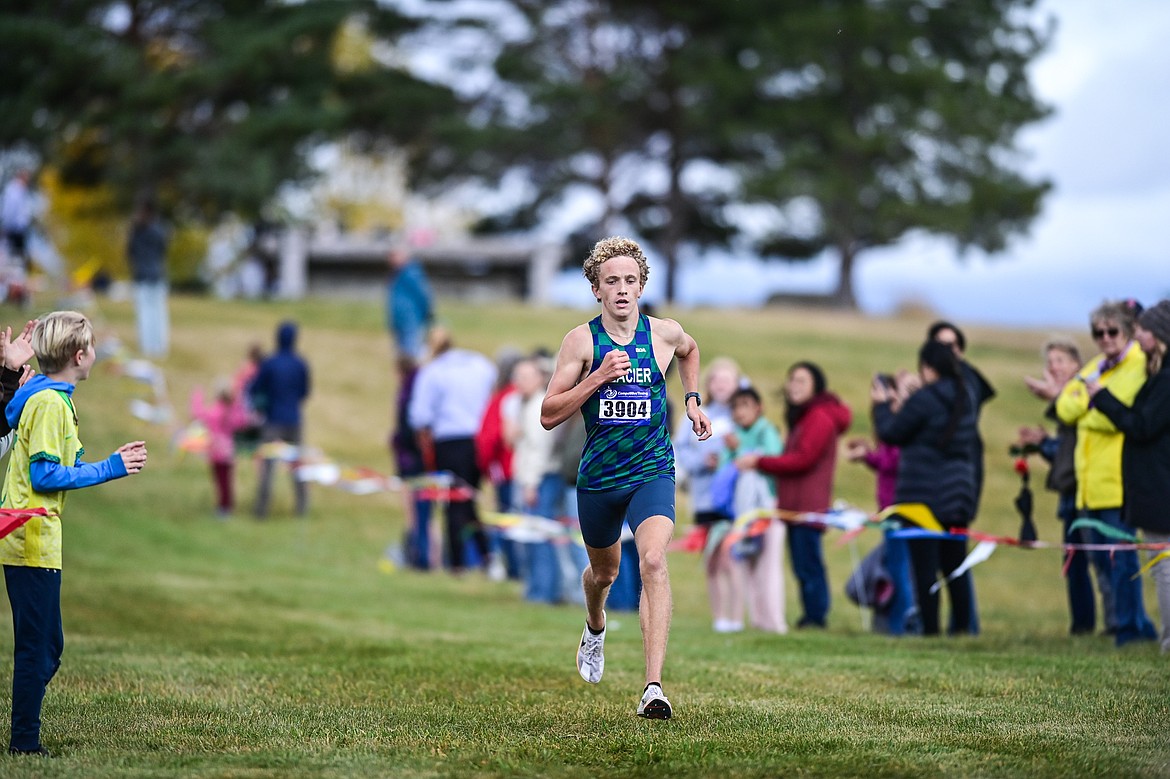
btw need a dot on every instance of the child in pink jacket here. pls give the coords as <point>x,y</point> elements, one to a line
<point>223,418</point>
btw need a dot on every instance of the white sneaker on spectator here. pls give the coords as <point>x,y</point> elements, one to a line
<point>497,570</point>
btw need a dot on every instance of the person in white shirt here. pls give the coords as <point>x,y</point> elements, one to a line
<point>449,398</point>
<point>16,215</point>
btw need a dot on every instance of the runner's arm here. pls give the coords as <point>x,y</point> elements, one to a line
<point>569,388</point>
<point>686,352</point>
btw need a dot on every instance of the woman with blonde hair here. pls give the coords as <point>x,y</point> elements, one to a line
<point>697,462</point>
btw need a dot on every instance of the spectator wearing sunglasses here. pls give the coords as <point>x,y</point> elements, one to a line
<point>1145,462</point>
<point>1121,368</point>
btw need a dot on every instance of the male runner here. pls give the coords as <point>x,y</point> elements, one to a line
<point>613,369</point>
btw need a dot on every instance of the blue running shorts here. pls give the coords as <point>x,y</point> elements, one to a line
<point>602,513</point>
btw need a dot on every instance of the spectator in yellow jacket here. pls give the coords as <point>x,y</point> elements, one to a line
<point>1121,367</point>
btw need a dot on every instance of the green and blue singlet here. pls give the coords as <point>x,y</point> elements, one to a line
<point>626,437</point>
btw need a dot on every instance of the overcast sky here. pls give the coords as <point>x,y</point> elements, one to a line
<point>1102,230</point>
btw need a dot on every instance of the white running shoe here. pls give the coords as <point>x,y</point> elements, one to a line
<point>497,570</point>
<point>654,704</point>
<point>591,654</point>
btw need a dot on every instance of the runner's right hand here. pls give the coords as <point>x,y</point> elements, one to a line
<point>615,365</point>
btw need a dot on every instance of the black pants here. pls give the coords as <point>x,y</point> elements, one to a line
<point>457,455</point>
<point>17,241</point>
<point>928,558</point>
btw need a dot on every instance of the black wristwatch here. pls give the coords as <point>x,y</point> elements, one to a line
<point>698,398</point>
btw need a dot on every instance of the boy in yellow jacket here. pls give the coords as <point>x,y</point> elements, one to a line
<point>45,463</point>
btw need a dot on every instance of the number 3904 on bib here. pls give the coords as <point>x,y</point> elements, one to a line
<point>624,405</point>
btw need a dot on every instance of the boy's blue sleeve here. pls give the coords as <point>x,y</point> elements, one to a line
<point>48,476</point>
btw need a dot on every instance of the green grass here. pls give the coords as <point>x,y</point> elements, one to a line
<point>202,648</point>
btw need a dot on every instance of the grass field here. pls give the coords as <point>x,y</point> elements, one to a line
<point>200,648</point>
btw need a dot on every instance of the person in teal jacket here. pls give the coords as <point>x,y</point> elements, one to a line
<point>409,307</point>
<point>762,568</point>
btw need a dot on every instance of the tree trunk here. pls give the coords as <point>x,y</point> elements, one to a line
<point>676,210</point>
<point>670,244</point>
<point>843,296</point>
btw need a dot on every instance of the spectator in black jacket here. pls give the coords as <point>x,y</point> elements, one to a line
<point>1145,455</point>
<point>935,428</point>
<point>978,387</point>
<point>981,391</point>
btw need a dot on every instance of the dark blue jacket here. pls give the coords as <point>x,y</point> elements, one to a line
<point>282,381</point>
<point>147,252</point>
<point>933,469</point>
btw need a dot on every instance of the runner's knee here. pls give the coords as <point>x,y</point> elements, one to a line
<point>602,576</point>
<point>653,563</point>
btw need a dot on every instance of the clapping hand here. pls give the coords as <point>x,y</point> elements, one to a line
<point>1031,436</point>
<point>1046,388</point>
<point>15,355</point>
<point>879,391</point>
<point>908,382</point>
<point>856,449</point>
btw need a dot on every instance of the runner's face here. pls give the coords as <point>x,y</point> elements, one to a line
<point>619,285</point>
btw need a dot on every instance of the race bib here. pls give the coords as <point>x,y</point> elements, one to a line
<point>621,404</point>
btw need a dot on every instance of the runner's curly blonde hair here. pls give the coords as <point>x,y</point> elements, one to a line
<point>607,249</point>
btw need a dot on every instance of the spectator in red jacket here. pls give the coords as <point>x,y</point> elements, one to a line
<point>815,418</point>
<point>493,455</point>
